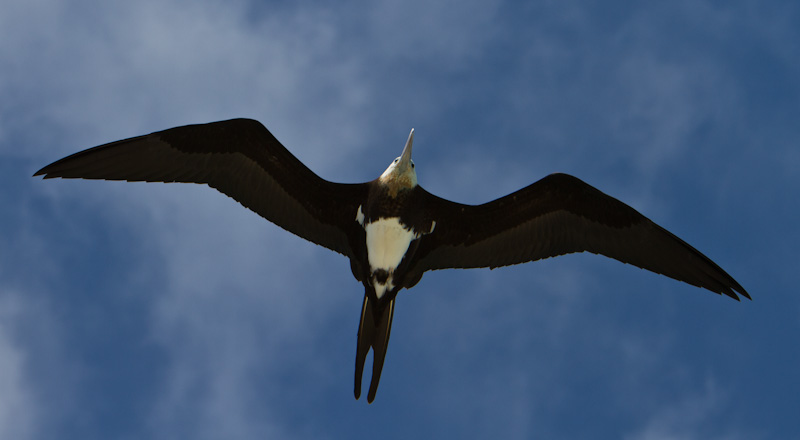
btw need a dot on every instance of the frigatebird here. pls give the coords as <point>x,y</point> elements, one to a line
<point>391,229</point>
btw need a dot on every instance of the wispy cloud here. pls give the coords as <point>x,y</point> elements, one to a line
<point>691,416</point>
<point>39,377</point>
<point>18,404</point>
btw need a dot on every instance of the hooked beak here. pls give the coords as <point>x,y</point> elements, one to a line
<point>401,174</point>
<point>405,158</point>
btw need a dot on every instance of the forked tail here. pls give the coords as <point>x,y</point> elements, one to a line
<point>376,335</point>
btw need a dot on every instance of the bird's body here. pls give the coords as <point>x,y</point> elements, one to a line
<point>391,229</point>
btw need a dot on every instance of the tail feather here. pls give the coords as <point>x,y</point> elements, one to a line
<point>375,335</point>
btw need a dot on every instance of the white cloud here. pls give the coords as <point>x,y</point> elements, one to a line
<point>449,33</point>
<point>134,68</point>
<point>19,413</point>
<point>690,417</point>
<point>239,293</point>
<point>37,379</point>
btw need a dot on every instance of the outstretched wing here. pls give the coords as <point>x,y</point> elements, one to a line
<point>241,159</point>
<point>557,215</point>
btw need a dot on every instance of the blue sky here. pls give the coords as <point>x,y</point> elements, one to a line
<point>159,311</point>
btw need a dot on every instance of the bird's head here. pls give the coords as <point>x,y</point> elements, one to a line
<point>401,173</point>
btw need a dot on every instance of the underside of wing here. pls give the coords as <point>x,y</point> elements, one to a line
<point>557,215</point>
<point>238,157</point>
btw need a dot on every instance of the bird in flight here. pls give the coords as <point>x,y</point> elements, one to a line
<point>391,229</point>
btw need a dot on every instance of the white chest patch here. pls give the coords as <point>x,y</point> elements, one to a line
<point>387,243</point>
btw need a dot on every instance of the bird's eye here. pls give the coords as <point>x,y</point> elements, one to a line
<point>396,160</point>
<point>412,164</point>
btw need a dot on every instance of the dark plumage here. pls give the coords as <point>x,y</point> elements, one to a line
<point>557,215</point>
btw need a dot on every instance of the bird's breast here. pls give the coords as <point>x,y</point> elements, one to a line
<point>388,240</point>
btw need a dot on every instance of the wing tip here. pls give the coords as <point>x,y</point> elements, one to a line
<point>743,293</point>
<point>735,291</point>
